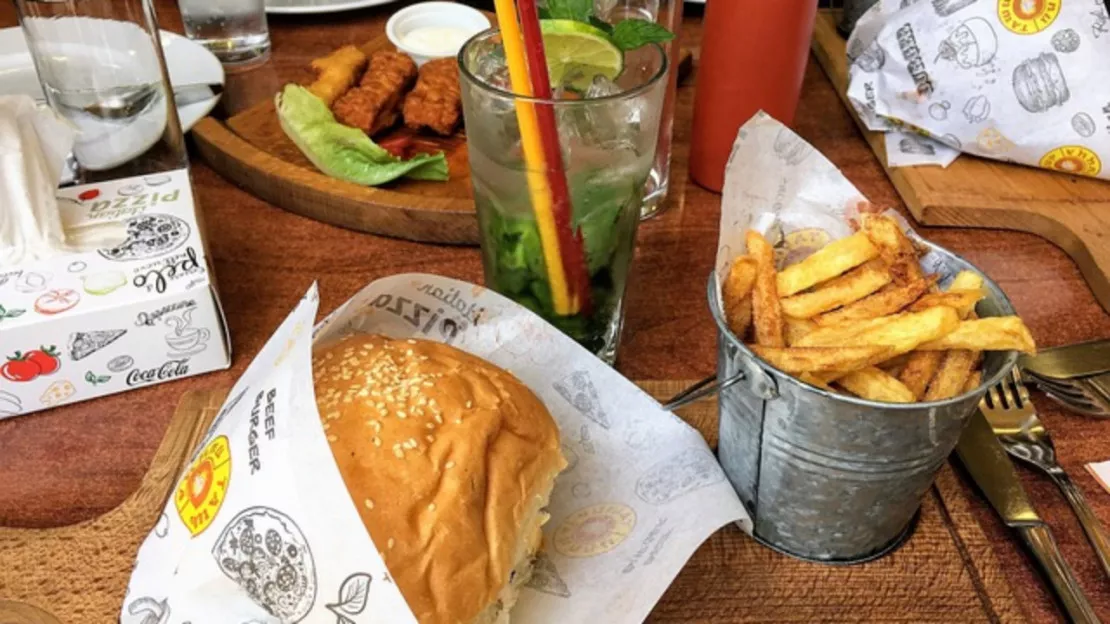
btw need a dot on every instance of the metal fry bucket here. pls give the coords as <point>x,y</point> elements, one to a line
<point>828,477</point>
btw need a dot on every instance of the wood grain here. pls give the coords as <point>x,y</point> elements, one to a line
<point>79,573</point>
<point>1071,211</point>
<point>963,580</point>
<point>77,462</point>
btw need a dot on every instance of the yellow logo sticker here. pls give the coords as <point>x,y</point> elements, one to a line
<point>1073,159</point>
<point>1027,17</point>
<point>595,530</point>
<point>201,492</point>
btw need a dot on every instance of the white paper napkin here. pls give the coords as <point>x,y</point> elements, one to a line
<point>34,143</point>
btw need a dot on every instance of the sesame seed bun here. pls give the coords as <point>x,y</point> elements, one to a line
<point>450,461</point>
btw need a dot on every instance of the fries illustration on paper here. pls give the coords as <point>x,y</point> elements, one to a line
<point>860,316</point>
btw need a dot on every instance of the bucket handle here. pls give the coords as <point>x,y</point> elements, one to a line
<point>704,388</point>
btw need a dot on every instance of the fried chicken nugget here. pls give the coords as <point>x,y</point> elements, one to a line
<point>337,72</point>
<point>373,105</point>
<point>435,101</point>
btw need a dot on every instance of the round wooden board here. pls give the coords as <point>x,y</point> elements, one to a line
<point>251,150</point>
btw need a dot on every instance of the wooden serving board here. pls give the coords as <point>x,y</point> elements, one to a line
<point>946,572</point>
<point>1071,211</point>
<point>252,151</point>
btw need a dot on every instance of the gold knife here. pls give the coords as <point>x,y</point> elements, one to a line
<point>990,468</point>
<point>1077,360</point>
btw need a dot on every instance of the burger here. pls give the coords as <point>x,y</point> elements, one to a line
<point>450,461</point>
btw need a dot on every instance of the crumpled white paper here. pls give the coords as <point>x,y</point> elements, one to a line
<point>781,186</point>
<point>1014,80</point>
<point>262,508</point>
<point>34,143</point>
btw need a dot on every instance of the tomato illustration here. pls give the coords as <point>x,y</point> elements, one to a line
<point>89,195</point>
<point>18,368</point>
<point>47,359</point>
<point>57,301</point>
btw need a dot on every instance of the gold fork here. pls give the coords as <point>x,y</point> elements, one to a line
<point>1014,420</point>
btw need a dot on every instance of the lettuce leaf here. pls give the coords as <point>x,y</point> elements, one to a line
<point>344,152</point>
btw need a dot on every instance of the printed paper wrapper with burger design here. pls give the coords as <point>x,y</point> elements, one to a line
<point>263,529</point>
<point>137,307</point>
<point>1023,81</point>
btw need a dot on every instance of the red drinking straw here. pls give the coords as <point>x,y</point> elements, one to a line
<point>570,240</point>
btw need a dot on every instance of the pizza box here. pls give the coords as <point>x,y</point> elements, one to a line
<point>142,309</point>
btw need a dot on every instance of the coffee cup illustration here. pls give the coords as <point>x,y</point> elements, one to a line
<point>186,339</point>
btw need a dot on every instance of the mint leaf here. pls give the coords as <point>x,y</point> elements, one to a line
<point>577,10</point>
<point>601,24</point>
<point>634,33</point>
<point>543,12</point>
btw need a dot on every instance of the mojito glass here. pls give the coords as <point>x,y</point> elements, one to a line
<point>607,130</point>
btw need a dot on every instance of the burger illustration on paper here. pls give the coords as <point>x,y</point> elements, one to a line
<point>1039,83</point>
<point>973,44</point>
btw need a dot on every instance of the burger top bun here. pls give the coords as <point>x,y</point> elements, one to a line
<point>450,461</point>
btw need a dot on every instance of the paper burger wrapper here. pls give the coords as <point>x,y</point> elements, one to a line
<point>262,529</point>
<point>1022,81</point>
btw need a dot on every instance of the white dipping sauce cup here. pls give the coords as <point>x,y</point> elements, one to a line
<point>433,15</point>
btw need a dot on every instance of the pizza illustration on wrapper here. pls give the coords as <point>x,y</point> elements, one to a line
<point>266,554</point>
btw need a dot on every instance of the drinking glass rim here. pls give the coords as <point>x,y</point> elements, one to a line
<point>664,66</point>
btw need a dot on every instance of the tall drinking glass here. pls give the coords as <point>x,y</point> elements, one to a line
<point>607,132</point>
<point>234,30</point>
<point>668,14</point>
<point>101,67</point>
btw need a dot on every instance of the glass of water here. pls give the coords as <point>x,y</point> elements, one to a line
<point>666,13</point>
<point>234,30</point>
<point>101,66</point>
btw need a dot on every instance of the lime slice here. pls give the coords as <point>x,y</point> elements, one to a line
<point>577,52</point>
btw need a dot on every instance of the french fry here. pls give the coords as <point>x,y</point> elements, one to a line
<point>966,280</point>
<point>842,334</point>
<point>796,329</point>
<point>875,385</point>
<point>952,376</point>
<point>902,333</point>
<point>882,303</point>
<point>797,360</point>
<point>852,286</point>
<point>894,365</point>
<point>766,311</point>
<point>894,248</point>
<point>826,263</point>
<point>736,292</point>
<point>923,365</point>
<point>959,299</point>
<point>973,381</point>
<point>815,379</point>
<point>919,371</point>
<point>998,333</point>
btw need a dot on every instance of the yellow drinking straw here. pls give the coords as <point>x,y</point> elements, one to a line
<point>533,156</point>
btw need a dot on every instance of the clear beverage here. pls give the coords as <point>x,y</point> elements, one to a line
<point>234,30</point>
<point>101,67</point>
<point>667,13</point>
<point>607,135</point>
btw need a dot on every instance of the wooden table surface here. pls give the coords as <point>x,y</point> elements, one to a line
<point>77,462</point>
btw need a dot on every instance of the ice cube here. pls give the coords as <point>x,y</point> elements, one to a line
<point>601,86</point>
<point>492,70</point>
